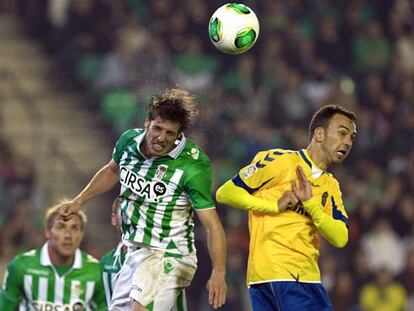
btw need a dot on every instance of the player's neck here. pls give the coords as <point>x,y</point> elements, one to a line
<point>318,156</point>
<point>143,149</point>
<point>59,260</point>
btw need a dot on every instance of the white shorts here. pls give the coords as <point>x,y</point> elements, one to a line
<point>148,276</point>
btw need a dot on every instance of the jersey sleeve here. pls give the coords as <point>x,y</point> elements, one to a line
<point>122,142</point>
<point>265,170</point>
<point>232,195</point>
<point>11,291</point>
<point>198,188</point>
<point>332,223</point>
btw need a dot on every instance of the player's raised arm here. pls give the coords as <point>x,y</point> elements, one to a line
<point>239,192</point>
<point>230,194</point>
<point>104,180</point>
<point>334,229</point>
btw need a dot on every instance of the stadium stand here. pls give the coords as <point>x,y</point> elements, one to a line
<point>310,52</point>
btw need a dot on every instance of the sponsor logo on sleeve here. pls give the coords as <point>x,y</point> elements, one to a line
<point>249,171</point>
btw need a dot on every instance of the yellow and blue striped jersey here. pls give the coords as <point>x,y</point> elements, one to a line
<point>284,245</point>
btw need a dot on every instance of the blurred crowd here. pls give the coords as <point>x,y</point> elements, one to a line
<point>359,54</point>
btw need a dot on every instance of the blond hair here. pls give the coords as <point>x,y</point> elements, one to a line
<point>53,212</point>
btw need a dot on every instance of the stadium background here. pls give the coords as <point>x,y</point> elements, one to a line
<point>75,73</point>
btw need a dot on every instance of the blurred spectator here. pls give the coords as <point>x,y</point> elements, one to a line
<point>343,293</point>
<point>384,248</point>
<point>317,87</point>
<point>116,69</point>
<point>194,69</point>
<point>383,294</point>
<point>329,43</point>
<point>405,50</point>
<point>371,49</point>
<point>406,279</point>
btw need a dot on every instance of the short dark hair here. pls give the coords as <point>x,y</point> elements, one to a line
<point>173,105</point>
<point>322,117</point>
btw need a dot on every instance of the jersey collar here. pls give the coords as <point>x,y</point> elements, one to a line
<point>316,171</point>
<point>45,258</point>
<point>180,144</point>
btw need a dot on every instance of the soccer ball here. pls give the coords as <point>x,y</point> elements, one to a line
<point>233,28</point>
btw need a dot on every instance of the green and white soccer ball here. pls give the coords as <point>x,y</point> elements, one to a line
<point>233,28</point>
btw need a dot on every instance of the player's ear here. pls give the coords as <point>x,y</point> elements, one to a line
<point>47,233</point>
<point>113,219</point>
<point>319,134</point>
<point>147,122</point>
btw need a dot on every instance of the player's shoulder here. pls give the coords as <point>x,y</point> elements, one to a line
<point>332,180</point>
<point>27,256</point>
<point>108,257</point>
<point>89,261</point>
<point>193,153</point>
<point>130,134</point>
<point>276,154</point>
<point>26,259</point>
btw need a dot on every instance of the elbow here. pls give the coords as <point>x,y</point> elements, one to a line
<point>220,196</point>
<point>341,241</point>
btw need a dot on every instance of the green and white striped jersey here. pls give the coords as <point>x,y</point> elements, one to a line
<point>111,264</point>
<point>158,194</point>
<point>33,283</point>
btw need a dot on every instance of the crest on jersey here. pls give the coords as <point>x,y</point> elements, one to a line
<point>168,266</point>
<point>324,197</point>
<point>161,171</point>
<point>194,152</point>
<point>77,289</point>
<point>249,171</point>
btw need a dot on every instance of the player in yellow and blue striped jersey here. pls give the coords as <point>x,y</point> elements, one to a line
<point>291,198</point>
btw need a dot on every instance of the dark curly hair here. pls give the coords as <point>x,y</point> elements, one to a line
<point>173,105</point>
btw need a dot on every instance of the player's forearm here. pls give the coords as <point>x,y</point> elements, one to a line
<point>216,243</point>
<point>232,195</point>
<point>334,230</point>
<point>104,180</point>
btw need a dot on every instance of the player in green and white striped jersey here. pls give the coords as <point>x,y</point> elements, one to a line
<point>112,261</point>
<point>164,178</point>
<point>56,277</point>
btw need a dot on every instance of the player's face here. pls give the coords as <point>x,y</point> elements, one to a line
<point>338,138</point>
<point>64,237</point>
<point>116,219</point>
<point>160,137</point>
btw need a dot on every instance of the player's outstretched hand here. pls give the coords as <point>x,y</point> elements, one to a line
<point>303,191</point>
<point>217,289</point>
<point>69,209</point>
